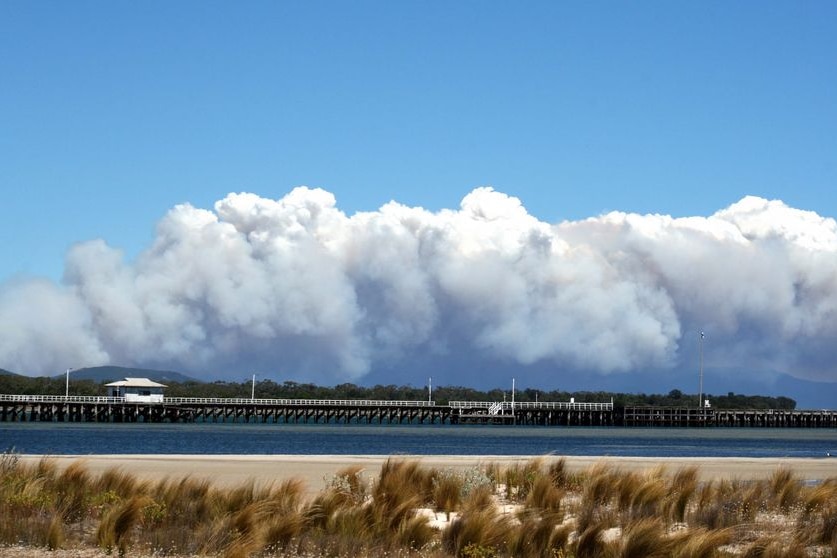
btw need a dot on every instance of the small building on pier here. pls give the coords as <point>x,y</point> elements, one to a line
<point>137,390</point>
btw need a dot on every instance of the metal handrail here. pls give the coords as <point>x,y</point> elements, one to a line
<point>218,401</point>
<point>470,404</point>
<point>504,405</point>
<point>297,402</point>
<point>507,405</point>
<point>61,399</point>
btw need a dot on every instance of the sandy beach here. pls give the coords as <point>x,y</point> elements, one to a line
<point>315,470</point>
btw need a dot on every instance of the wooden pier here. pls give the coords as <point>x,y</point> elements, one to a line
<point>694,417</point>
<point>534,414</point>
<point>34,408</point>
<point>51,408</point>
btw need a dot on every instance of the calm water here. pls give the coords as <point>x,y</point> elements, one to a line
<point>59,439</point>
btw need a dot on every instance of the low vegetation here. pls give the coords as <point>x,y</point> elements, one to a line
<point>534,509</point>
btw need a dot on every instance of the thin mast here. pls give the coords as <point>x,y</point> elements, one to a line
<point>700,392</point>
<point>512,409</point>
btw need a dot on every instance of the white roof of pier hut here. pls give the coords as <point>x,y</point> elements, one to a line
<point>136,383</point>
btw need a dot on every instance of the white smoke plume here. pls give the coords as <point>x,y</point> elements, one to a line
<point>296,286</point>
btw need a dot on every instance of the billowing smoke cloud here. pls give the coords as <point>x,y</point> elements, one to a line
<point>295,285</point>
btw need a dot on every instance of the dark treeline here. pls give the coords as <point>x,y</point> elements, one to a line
<point>24,385</point>
<point>268,389</point>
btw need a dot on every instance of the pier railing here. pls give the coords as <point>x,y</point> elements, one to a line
<point>297,402</point>
<point>80,408</point>
<point>495,407</point>
<point>60,399</point>
<point>217,401</point>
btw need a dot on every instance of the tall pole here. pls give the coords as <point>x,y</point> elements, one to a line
<point>67,384</point>
<point>253,391</point>
<point>700,392</point>
<point>512,399</point>
<point>429,390</point>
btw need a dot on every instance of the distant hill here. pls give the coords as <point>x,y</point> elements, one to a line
<point>106,374</point>
<point>7,373</point>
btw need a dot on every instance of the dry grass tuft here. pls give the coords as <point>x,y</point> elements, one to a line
<point>600,484</point>
<point>544,496</point>
<point>116,481</point>
<point>286,498</point>
<point>590,543</point>
<point>626,486</point>
<point>478,533</point>
<point>55,536</point>
<point>281,529</point>
<point>73,491</point>
<point>682,489</point>
<point>401,480</point>
<point>648,498</point>
<point>784,488</point>
<point>557,471</point>
<point>190,500</point>
<point>817,521</point>
<point>318,513</point>
<point>820,497</point>
<point>46,468</point>
<point>414,533</point>
<point>601,512</point>
<point>116,525</point>
<point>645,539</point>
<point>478,499</point>
<point>538,537</point>
<point>520,478</point>
<point>773,547</point>
<point>447,493</point>
<point>699,543</point>
<point>242,547</point>
<point>728,503</point>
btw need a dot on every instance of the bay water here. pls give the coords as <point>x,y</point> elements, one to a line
<point>267,439</point>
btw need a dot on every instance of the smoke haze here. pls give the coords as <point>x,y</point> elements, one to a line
<point>296,287</point>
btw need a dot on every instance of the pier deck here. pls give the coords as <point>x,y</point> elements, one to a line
<point>694,417</point>
<point>45,408</point>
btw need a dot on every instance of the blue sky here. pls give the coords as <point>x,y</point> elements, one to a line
<point>112,113</point>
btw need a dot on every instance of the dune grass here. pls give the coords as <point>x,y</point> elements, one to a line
<point>529,510</point>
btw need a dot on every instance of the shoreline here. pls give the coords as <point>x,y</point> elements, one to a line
<point>316,470</point>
